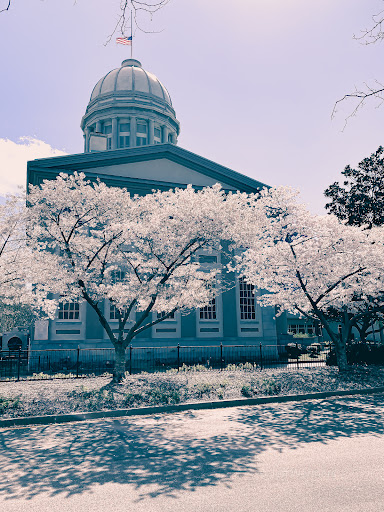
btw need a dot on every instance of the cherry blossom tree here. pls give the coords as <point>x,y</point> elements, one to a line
<point>136,255</point>
<point>309,264</point>
<point>12,247</point>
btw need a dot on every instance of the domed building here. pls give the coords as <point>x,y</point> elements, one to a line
<point>130,140</point>
<point>131,108</point>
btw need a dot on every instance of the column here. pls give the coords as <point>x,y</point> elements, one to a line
<point>132,141</point>
<point>114,133</point>
<point>165,133</point>
<point>86,149</point>
<point>151,131</point>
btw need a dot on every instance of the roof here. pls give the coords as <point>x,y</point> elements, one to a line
<point>47,168</point>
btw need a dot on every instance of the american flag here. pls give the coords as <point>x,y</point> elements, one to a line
<point>124,40</point>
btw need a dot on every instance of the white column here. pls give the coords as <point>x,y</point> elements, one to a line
<point>133,132</point>
<point>165,133</point>
<point>86,140</point>
<point>151,131</point>
<point>114,133</point>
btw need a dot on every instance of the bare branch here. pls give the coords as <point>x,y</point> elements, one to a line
<point>361,96</point>
<point>375,33</point>
<point>129,9</point>
<point>6,8</point>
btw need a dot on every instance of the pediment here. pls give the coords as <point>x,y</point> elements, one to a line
<point>143,169</point>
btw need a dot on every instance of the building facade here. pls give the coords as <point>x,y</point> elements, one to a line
<point>130,140</point>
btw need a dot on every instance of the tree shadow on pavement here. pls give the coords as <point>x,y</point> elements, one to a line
<point>168,453</point>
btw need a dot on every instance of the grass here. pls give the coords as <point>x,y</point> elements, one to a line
<point>190,384</point>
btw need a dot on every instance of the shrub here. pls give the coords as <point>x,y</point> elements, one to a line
<point>8,403</point>
<point>270,387</point>
<point>94,397</point>
<point>132,398</point>
<point>360,353</point>
<point>193,368</point>
<point>164,396</point>
<point>247,391</point>
<point>203,389</point>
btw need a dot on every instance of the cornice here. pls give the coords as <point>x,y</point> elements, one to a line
<point>83,161</point>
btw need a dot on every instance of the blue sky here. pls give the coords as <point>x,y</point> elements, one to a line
<point>253,82</point>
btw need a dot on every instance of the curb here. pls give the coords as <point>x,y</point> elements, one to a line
<point>140,411</point>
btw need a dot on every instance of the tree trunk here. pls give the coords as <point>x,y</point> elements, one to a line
<point>341,355</point>
<point>339,342</point>
<point>119,370</point>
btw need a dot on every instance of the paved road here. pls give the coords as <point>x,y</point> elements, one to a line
<point>321,455</point>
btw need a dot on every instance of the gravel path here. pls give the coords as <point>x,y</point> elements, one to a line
<point>30,398</point>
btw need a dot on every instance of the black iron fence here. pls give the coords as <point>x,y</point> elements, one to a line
<point>61,363</point>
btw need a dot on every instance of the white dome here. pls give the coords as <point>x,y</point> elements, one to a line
<point>130,77</point>
<point>129,107</point>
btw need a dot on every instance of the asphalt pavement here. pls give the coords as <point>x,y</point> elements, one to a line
<point>318,455</point>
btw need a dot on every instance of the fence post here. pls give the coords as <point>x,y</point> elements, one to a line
<point>178,357</point>
<point>221,357</point>
<point>297,355</point>
<point>130,359</point>
<point>77,362</point>
<point>261,356</point>
<point>18,364</point>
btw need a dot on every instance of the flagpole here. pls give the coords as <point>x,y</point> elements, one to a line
<point>131,34</point>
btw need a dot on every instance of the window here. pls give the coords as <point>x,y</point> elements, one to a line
<point>301,329</point>
<point>107,129</point>
<point>163,313</point>
<point>141,128</point>
<point>113,312</point>
<point>124,141</point>
<point>170,137</point>
<point>247,300</point>
<point>141,141</point>
<point>157,133</point>
<point>69,311</point>
<point>204,258</point>
<point>125,127</point>
<point>117,276</point>
<point>141,133</point>
<point>208,312</point>
<point>109,143</point>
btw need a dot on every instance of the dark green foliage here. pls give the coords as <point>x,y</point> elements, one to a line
<point>360,199</point>
<point>203,389</point>
<point>247,391</point>
<point>360,202</point>
<point>164,396</point>
<point>360,353</point>
<point>94,398</point>
<point>267,386</point>
<point>270,387</point>
<point>131,399</point>
<point>8,403</point>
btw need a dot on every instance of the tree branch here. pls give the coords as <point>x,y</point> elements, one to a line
<point>361,96</point>
<point>133,7</point>
<point>6,8</point>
